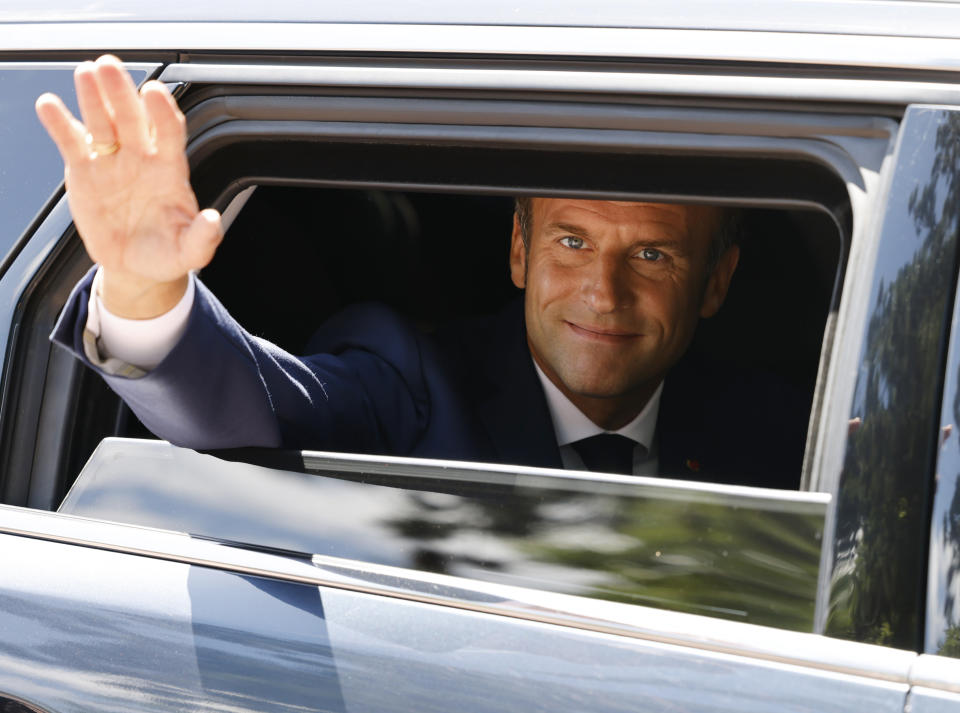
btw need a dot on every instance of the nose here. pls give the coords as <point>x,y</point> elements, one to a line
<point>605,287</point>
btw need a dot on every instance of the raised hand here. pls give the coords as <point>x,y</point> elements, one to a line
<point>128,185</point>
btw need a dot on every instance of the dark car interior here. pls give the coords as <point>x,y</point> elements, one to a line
<point>296,254</point>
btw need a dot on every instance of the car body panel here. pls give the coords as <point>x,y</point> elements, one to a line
<point>936,673</point>
<point>855,17</point>
<point>859,54</point>
<point>521,603</point>
<point>924,700</point>
<point>80,625</point>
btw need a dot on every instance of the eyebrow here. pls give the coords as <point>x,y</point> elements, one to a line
<point>676,245</point>
<point>577,230</point>
<point>582,232</point>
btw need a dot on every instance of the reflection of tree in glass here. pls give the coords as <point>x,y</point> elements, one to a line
<point>951,643</point>
<point>881,514</point>
<point>434,523</point>
<point>748,565</point>
<point>950,646</point>
<point>741,563</point>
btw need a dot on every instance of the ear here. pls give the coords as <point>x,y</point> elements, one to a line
<point>719,282</point>
<point>518,256</point>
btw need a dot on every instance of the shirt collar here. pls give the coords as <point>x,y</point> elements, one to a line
<point>570,424</point>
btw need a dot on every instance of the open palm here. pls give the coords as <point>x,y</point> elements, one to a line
<point>127,178</point>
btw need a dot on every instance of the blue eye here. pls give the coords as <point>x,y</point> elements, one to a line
<point>651,254</point>
<point>572,242</point>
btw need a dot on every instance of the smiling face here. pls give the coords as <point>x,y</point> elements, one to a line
<point>613,294</point>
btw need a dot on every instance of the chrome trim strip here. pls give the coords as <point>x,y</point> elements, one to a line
<point>147,67</point>
<point>581,82</point>
<point>324,462</point>
<point>640,43</point>
<point>938,672</point>
<point>931,18</point>
<point>661,488</point>
<point>687,630</point>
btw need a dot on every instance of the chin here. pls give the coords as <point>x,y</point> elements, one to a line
<point>596,388</point>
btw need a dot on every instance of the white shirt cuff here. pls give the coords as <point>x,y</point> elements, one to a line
<point>141,342</point>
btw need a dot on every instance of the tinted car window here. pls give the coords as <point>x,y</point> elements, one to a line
<point>943,585</point>
<point>882,515</point>
<point>737,553</point>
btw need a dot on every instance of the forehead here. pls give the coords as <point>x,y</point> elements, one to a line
<point>673,218</point>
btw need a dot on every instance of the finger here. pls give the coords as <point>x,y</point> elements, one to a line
<point>129,117</point>
<point>67,133</point>
<point>93,107</point>
<point>200,241</point>
<point>853,425</point>
<point>168,122</point>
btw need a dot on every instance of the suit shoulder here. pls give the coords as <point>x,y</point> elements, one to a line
<point>365,325</point>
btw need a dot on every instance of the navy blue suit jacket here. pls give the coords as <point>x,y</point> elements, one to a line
<point>373,384</point>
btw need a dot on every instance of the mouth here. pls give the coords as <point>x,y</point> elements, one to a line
<point>606,335</point>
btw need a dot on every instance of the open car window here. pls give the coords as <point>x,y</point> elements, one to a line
<point>749,554</point>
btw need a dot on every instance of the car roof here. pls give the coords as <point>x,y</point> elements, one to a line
<point>905,18</point>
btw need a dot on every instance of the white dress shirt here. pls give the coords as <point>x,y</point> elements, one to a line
<point>145,343</point>
<point>571,425</point>
<point>141,342</point>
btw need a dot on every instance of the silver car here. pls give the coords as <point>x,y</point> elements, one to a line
<point>136,576</point>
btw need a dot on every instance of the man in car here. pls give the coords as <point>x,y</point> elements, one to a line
<point>575,376</point>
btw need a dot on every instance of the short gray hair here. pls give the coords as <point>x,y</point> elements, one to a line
<point>523,208</point>
<point>727,234</point>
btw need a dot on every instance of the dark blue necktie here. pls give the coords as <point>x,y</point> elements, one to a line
<point>606,453</point>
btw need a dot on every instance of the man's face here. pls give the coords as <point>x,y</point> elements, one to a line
<point>614,291</point>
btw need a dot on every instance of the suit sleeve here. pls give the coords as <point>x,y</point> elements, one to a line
<point>221,387</point>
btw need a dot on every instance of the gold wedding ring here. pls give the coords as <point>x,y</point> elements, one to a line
<point>101,148</point>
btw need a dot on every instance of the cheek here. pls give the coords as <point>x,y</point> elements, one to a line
<point>669,305</point>
<point>548,283</point>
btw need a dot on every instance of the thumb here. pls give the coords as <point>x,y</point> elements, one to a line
<point>201,239</point>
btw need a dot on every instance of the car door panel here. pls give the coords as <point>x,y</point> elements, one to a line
<point>86,628</point>
<point>927,700</point>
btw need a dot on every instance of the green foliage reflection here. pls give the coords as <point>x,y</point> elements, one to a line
<point>744,562</point>
<point>882,528</point>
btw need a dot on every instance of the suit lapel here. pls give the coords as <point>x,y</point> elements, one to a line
<point>514,410</point>
<point>683,452</point>
<point>670,440</point>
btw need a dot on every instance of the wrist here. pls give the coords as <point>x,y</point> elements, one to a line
<point>135,297</point>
